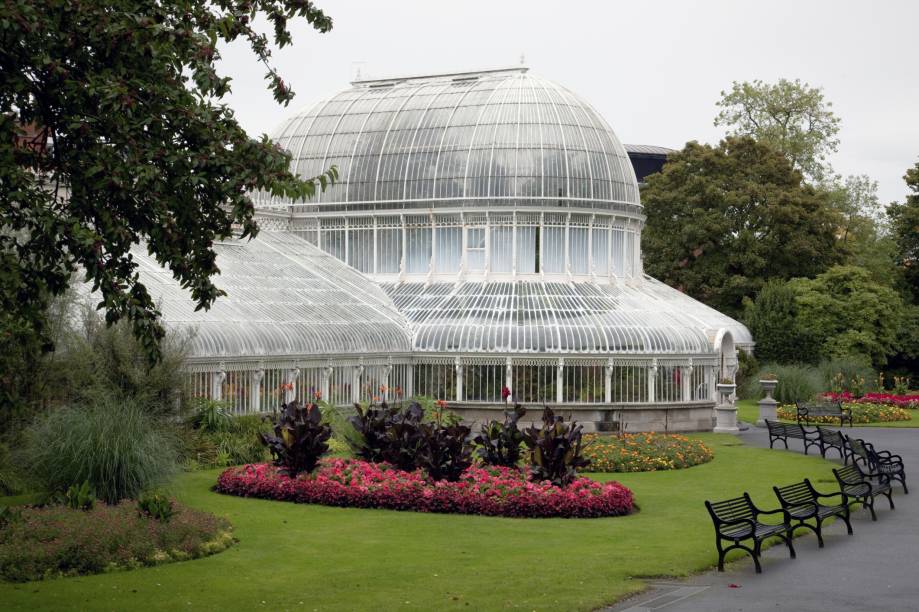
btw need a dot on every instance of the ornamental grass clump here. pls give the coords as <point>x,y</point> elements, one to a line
<point>499,443</point>
<point>643,452</point>
<point>300,438</point>
<point>555,449</point>
<point>117,448</point>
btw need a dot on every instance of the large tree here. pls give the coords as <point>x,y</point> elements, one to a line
<point>904,229</point>
<point>791,116</point>
<point>723,220</point>
<point>112,132</point>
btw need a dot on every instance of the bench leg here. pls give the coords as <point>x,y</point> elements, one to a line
<point>890,498</point>
<point>819,531</point>
<point>753,552</point>
<point>870,505</point>
<point>757,547</point>
<point>845,517</point>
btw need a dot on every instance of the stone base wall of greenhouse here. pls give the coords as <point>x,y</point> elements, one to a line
<point>613,394</point>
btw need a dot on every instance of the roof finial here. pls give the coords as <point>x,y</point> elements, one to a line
<point>523,59</point>
<point>356,66</point>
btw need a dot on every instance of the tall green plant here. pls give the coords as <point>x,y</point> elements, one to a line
<point>117,447</point>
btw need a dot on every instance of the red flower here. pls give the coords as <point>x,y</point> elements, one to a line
<point>441,403</point>
<point>505,393</point>
<point>317,395</point>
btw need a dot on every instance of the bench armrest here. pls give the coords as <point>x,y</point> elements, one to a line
<point>888,456</point>
<point>785,516</point>
<point>741,521</point>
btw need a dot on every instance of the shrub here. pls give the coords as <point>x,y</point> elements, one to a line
<point>861,413</point>
<point>555,449</point>
<point>493,491</point>
<point>796,383</point>
<point>210,415</point>
<point>389,433</point>
<point>848,374</point>
<point>238,444</point>
<point>9,515</point>
<point>10,480</point>
<point>94,361</point>
<point>499,443</point>
<point>156,506</point>
<point>300,438</point>
<point>444,452</point>
<point>436,411</point>
<point>80,497</point>
<point>118,448</point>
<point>58,541</point>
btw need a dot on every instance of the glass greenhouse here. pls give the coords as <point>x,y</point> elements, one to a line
<point>484,234</point>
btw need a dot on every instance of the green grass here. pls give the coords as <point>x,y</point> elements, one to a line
<point>319,558</point>
<point>748,411</point>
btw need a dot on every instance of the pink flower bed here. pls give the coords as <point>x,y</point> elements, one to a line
<point>492,491</point>
<point>901,401</point>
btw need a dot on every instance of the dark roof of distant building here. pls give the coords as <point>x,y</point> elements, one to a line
<point>647,149</point>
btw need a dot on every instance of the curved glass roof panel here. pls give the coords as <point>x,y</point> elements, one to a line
<point>496,136</point>
<point>553,317</point>
<point>285,298</point>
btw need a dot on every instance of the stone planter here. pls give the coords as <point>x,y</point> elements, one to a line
<point>768,407</point>
<point>725,411</point>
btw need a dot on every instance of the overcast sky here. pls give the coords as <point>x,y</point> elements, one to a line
<point>654,70</point>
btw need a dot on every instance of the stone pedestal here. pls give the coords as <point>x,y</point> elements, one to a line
<point>725,411</point>
<point>768,407</point>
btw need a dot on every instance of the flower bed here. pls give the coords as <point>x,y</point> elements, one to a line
<point>888,399</point>
<point>492,491</point>
<point>60,541</point>
<point>861,413</point>
<point>643,452</point>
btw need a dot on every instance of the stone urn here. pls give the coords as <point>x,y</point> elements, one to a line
<point>768,407</point>
<point>725,411</point>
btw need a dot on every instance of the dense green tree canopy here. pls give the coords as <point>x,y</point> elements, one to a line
<point>112,133</point>
<point>772,318</point>
<point>850,314</point>
<point>723,220</point>
<point>904,229</point>
<point>790,116</point>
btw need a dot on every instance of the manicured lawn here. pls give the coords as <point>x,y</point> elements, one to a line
<point>748,411</point>
<point>319,558</point>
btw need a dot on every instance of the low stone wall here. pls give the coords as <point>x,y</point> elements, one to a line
<point>626,418</point>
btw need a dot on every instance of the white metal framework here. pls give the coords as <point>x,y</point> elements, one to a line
<point>485,234</point>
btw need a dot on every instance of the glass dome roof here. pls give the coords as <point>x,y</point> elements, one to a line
<point>285,298</point>
<point>553,317</point>
<point>492,138</point>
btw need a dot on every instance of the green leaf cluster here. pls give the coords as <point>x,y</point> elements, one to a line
<point>112,133</point>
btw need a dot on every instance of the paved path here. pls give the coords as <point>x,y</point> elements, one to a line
<point>875,569</point>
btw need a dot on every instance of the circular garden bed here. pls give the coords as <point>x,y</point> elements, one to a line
<point>52,541</point>
<point>862,412</point>
<point>492,491</point>
<point>643,452</point>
